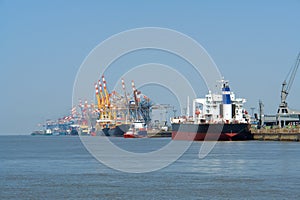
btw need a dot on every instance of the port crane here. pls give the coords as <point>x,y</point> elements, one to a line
<point>287,84</point>
<point>141,106</point>
<point>284,114</point>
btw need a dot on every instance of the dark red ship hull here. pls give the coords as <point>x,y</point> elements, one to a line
<point>212,132</point>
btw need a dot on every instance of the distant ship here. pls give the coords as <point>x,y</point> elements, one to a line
<point>215,117</point>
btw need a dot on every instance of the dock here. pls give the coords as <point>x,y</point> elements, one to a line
<point>277,134</point>
<point>160,133</point>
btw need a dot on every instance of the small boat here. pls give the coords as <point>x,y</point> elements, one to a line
<point>137,130</point>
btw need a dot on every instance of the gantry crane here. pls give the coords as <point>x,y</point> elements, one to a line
<point>98,97</point>
<point>140,108</point>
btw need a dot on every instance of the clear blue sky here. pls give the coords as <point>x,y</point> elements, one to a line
<point>43,43</point>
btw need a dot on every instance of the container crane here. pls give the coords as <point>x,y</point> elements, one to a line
<point>135,92</point>
<point>141,107</point>
<point>133,104</point>
<point>107,100</point>
<point>102,104</point>
<point>101,94</point>
<point>97,96</point>
<point>126,100</point>
<point>124,90</point>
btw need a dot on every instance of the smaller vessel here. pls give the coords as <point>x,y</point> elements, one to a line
<point>137,130</point>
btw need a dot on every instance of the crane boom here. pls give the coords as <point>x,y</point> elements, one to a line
<point>286,86</point>
<point>134,93</point>
<point>107,102</point>
<point>293,73</point>
<point>124,90</point>
<point>97,96</point>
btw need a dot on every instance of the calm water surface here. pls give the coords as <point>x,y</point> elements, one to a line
<point>41,167</point>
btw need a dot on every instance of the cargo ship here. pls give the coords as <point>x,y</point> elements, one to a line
<point>218,116</point>
<point>116,131</point>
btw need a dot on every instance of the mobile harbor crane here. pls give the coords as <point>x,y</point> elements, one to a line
<point>285,115</point>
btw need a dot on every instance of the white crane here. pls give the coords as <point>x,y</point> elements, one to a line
<point>286,116</point>
<point>287,84</point>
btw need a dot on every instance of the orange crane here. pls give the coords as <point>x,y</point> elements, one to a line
<point>101,94</point>
<point>97,96</point>
<point>107,100</point>
<point>102,104</point>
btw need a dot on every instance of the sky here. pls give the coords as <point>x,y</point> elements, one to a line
<point>43,43</point>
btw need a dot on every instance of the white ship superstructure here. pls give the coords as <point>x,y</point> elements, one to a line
<point>223,107</point>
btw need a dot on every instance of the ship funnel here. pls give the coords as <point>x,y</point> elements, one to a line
<point>227,106</point>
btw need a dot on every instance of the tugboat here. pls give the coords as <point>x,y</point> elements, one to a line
<point>137,130</point>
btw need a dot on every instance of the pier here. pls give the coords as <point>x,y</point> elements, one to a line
<point>157,134</point>
<point>277,134</point>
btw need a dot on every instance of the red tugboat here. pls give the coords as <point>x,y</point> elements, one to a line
<point>215,117</point>
<point>137,130</point>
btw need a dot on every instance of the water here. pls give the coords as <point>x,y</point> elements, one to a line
<point>41,167</point>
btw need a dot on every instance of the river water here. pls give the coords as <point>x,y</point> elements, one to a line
<point>59,167</point>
